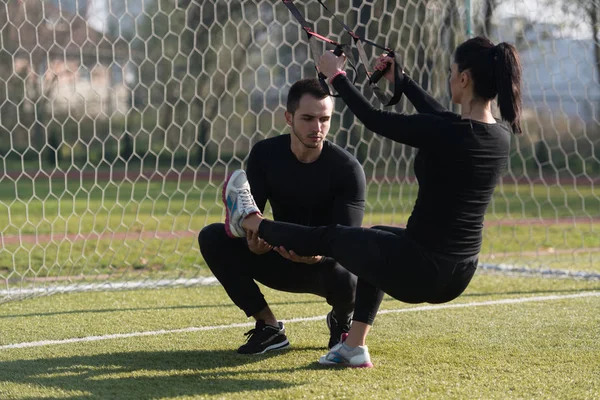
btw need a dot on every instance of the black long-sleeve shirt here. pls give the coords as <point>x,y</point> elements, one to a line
<point>330,190</point>
<point>458,164</point>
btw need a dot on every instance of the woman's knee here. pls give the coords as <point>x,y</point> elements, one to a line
<point>457,285</point>
<point>389,229</point>
<point>379,227</point>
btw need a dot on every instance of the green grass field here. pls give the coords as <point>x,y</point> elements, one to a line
<point>543,349</point>
<point>180,342</point>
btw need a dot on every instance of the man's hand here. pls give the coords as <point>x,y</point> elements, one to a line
<point>256,244</point>
<point>290,255</point>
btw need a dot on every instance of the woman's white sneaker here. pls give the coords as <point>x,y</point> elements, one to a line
<point>344,356</point>
<point>239,203</point>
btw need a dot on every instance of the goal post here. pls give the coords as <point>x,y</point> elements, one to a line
<point>119,120</point>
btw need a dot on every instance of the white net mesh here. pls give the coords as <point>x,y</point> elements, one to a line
<point>120,118</point>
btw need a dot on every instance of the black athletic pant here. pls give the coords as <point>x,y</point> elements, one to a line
<point>237,268</point>
<point>383,258</point>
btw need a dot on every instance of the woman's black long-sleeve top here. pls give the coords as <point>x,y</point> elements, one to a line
<point>458,165</point>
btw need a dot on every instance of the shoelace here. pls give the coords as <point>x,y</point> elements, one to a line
<point>250,334</point>
<point>246,197</point>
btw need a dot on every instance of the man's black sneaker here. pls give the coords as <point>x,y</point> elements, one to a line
<point>264,338</point>
<point>336,329</point>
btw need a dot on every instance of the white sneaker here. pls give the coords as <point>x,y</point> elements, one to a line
<point>239,203</point>
<point>344,356</point>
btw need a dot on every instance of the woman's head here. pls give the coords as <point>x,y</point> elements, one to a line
<point>484,71</point>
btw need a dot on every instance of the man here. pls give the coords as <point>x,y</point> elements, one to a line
<point>307,180</point>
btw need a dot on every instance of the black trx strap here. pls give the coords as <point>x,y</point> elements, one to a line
<point>339,48</point>
<point>373,77</point>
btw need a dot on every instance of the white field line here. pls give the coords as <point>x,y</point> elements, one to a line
<point>542,272</point>
<point>320,317</point>
<point>505,269</point>
<point>91,287</point>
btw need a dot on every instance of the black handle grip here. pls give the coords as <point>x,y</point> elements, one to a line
<point>377,75</point>
<point>338,51</point>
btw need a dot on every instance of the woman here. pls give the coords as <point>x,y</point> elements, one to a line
<point>459,162</point>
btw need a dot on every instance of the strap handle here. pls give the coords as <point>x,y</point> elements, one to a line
<point>338,51</point>
<point>375,76</point>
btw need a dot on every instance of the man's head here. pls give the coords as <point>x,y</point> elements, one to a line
<point>309,110</point>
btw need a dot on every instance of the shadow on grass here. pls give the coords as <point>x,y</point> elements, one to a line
<point>136,309</point>
<point>148,375</point>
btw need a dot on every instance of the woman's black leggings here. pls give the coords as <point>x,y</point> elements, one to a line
<point>383,258</point>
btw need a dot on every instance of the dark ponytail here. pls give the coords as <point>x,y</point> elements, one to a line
<point>496,71</point>
<point>508,82</point>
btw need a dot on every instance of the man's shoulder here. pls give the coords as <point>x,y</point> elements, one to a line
<point>341,156</point>
<point>272,143</point>
<point>344,166</point>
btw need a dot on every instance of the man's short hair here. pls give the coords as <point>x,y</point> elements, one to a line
<point>310,86</point>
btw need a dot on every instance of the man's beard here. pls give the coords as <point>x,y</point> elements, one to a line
<point>310,145</point>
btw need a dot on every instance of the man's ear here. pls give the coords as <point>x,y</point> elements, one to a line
<point>289,118</point>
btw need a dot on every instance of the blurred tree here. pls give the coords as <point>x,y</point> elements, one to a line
<point>187,50</point>
<point>26,92</point>
<point>488,14</point>
<point>589,10</point>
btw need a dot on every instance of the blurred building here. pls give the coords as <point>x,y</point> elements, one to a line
<point>73,67</point>
<point>560,75</point>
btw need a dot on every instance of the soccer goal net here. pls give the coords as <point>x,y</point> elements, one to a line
<point>120,118</point>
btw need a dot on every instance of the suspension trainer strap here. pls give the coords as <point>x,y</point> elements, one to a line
<point>314,48</point>
<point>374,77</point>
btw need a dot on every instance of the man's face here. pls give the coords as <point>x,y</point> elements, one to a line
<point>311,121</point>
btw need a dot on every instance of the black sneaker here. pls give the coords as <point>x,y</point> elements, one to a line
<point>336,329</point>
<point>264,338</point>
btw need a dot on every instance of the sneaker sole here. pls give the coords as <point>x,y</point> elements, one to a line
<point>278,346</point>
<point>223,197</point>
<point>273,347</point>
<point>326,363</point>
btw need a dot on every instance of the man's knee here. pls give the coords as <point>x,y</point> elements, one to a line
<point>212,237</point>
